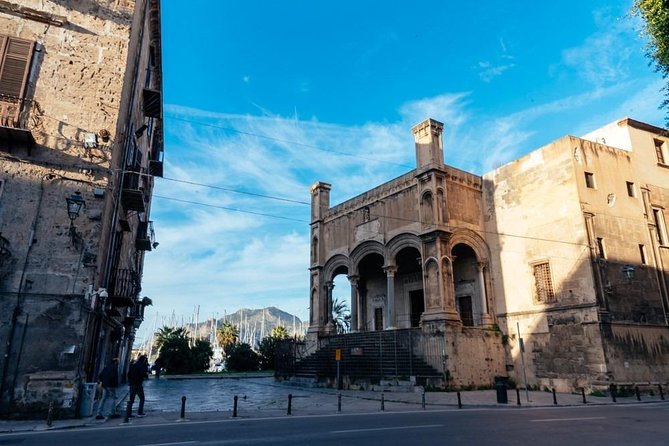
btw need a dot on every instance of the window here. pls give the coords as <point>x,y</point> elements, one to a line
<point>661,151</point>
<point>15,57</point>
<point>631,191</point>
<point>643,255</point>
<point>543,283</point>
<point>590,180</point>
<point>600,248</point>
<point>660,226</point>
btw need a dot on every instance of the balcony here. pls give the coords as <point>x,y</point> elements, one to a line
<point>132,196</point>
<point>15,116</point>
<point>124,287</point>
<point>146,236</point>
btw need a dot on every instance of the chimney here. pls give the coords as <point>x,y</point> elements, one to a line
<point>320,200</point>
<point>429,150</point>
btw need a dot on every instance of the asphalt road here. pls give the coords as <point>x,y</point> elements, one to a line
<point>638,424</point>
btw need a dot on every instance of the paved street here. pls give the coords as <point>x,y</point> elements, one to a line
<point>641,424</point>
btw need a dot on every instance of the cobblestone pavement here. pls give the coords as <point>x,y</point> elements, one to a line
<point>212,399</point>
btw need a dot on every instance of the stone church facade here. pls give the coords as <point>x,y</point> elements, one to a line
<point>565,248</point>
<point>80,120</point>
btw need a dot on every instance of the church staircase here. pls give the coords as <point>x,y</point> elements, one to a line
<point>368,356</point>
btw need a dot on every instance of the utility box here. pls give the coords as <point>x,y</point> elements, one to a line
<point>87,399</point>
<point>501,385</point>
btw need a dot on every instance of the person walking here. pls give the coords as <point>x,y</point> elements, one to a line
<point>137,373</point>
<point>108,377</point>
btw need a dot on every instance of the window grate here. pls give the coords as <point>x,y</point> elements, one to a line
<point>544,292</point>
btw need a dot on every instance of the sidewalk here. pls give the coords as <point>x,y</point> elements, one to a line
<point>319,401</point>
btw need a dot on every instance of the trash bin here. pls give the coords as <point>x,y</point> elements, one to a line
<point>501,385</point>
<point>87,399</point>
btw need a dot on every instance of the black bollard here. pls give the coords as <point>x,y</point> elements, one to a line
<point>612,388</point>
<point>339,402</point>
<point>661,392</point>
<point>517,396</point>
<point>128,412</point>
<point>183,407</point>
<point>49,415</point>
<point>638,395</point>
<point>423,400</point>
<point>290,403</point>
<point>583,395</point>
<point>383,401</point>
<point>554,398</point>
<point>459,401</point>
<point>234,407</point>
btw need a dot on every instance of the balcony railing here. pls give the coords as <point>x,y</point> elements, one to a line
<point>146,236</point>
<point>133,197</point>
<point>124,288</point>
<point>17,117</point>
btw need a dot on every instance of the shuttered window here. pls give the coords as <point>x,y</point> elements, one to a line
<point>15,56</point>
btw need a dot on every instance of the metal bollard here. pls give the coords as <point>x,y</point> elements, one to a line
<point>183,407</point>
<point>638,394</point>
<point>234,407</point>
<point>554,398</point>
<point>383,402</point>
<point>459,401</point>
<point>49,415</point>
<point>517,396</point>
<point>661,392</point>
<point>290,403</point>
<point>612,388</point>
<point>423,401</point>
<point>128,412</point>
<point>583,395</point>
<point>339,402</point>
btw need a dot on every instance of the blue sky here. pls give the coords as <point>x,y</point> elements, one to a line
<point>269,97</point>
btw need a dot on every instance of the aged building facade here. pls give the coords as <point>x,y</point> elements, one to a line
<point>565,247</point>
<point>80,125</point>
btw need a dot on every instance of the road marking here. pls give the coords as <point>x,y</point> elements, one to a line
<point>424,426</point>
<point>169,444</point>
<point>567,419</point>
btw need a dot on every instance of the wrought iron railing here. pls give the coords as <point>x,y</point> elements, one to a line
<point>19,113</point>
<point>125,285</point>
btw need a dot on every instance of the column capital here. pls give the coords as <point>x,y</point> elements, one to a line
<point>481,265</point>
<point>353,278</point>
<point>390,270</point>
<point>329,284</point>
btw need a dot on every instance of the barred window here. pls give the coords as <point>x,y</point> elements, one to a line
<point>543,283</point>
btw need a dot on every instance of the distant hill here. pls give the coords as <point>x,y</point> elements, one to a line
<point>254,324</point>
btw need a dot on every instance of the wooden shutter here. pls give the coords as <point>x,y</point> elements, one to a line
<point>14,65</point>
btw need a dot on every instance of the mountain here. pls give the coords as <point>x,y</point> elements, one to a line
<point>254,324</point>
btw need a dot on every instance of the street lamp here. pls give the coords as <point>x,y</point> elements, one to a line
<point>628,270</point>
<point>74,204</point>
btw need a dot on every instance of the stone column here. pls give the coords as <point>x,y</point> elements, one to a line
<point>355,326</point>
<point>390,309</point>
<point>329,325</point>
<point>486,319</point>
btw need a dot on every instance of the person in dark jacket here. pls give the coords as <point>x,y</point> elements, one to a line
<point>137,373</point>
<point>108,377</point>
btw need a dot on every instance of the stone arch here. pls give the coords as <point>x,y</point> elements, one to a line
<point>364,249</point>
<point>335,265</point>
<point>401,241</point>
<point>471,239</point>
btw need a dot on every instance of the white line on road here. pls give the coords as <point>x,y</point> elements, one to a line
<point>169,444</point>
<point>424,426</point>
<point>567,419</point>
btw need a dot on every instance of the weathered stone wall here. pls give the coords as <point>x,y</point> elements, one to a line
<point>637,354</point>
<point>475,356</point>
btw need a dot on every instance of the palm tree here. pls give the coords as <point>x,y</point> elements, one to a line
<point>165,333</point>
<point>279,332</point>
<point>341,316</point>
<point>227,335</point>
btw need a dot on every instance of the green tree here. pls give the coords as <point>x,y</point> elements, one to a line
<point>227,335</point>
<point>175,353</point>
<point>341,316</point>
<point>655,14</point>
<point>201,354</point>
<point>163,334</point>
<point>268,345</point>
<point>241,358</point>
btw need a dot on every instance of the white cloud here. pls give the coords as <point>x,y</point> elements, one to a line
<point>489,72</point>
